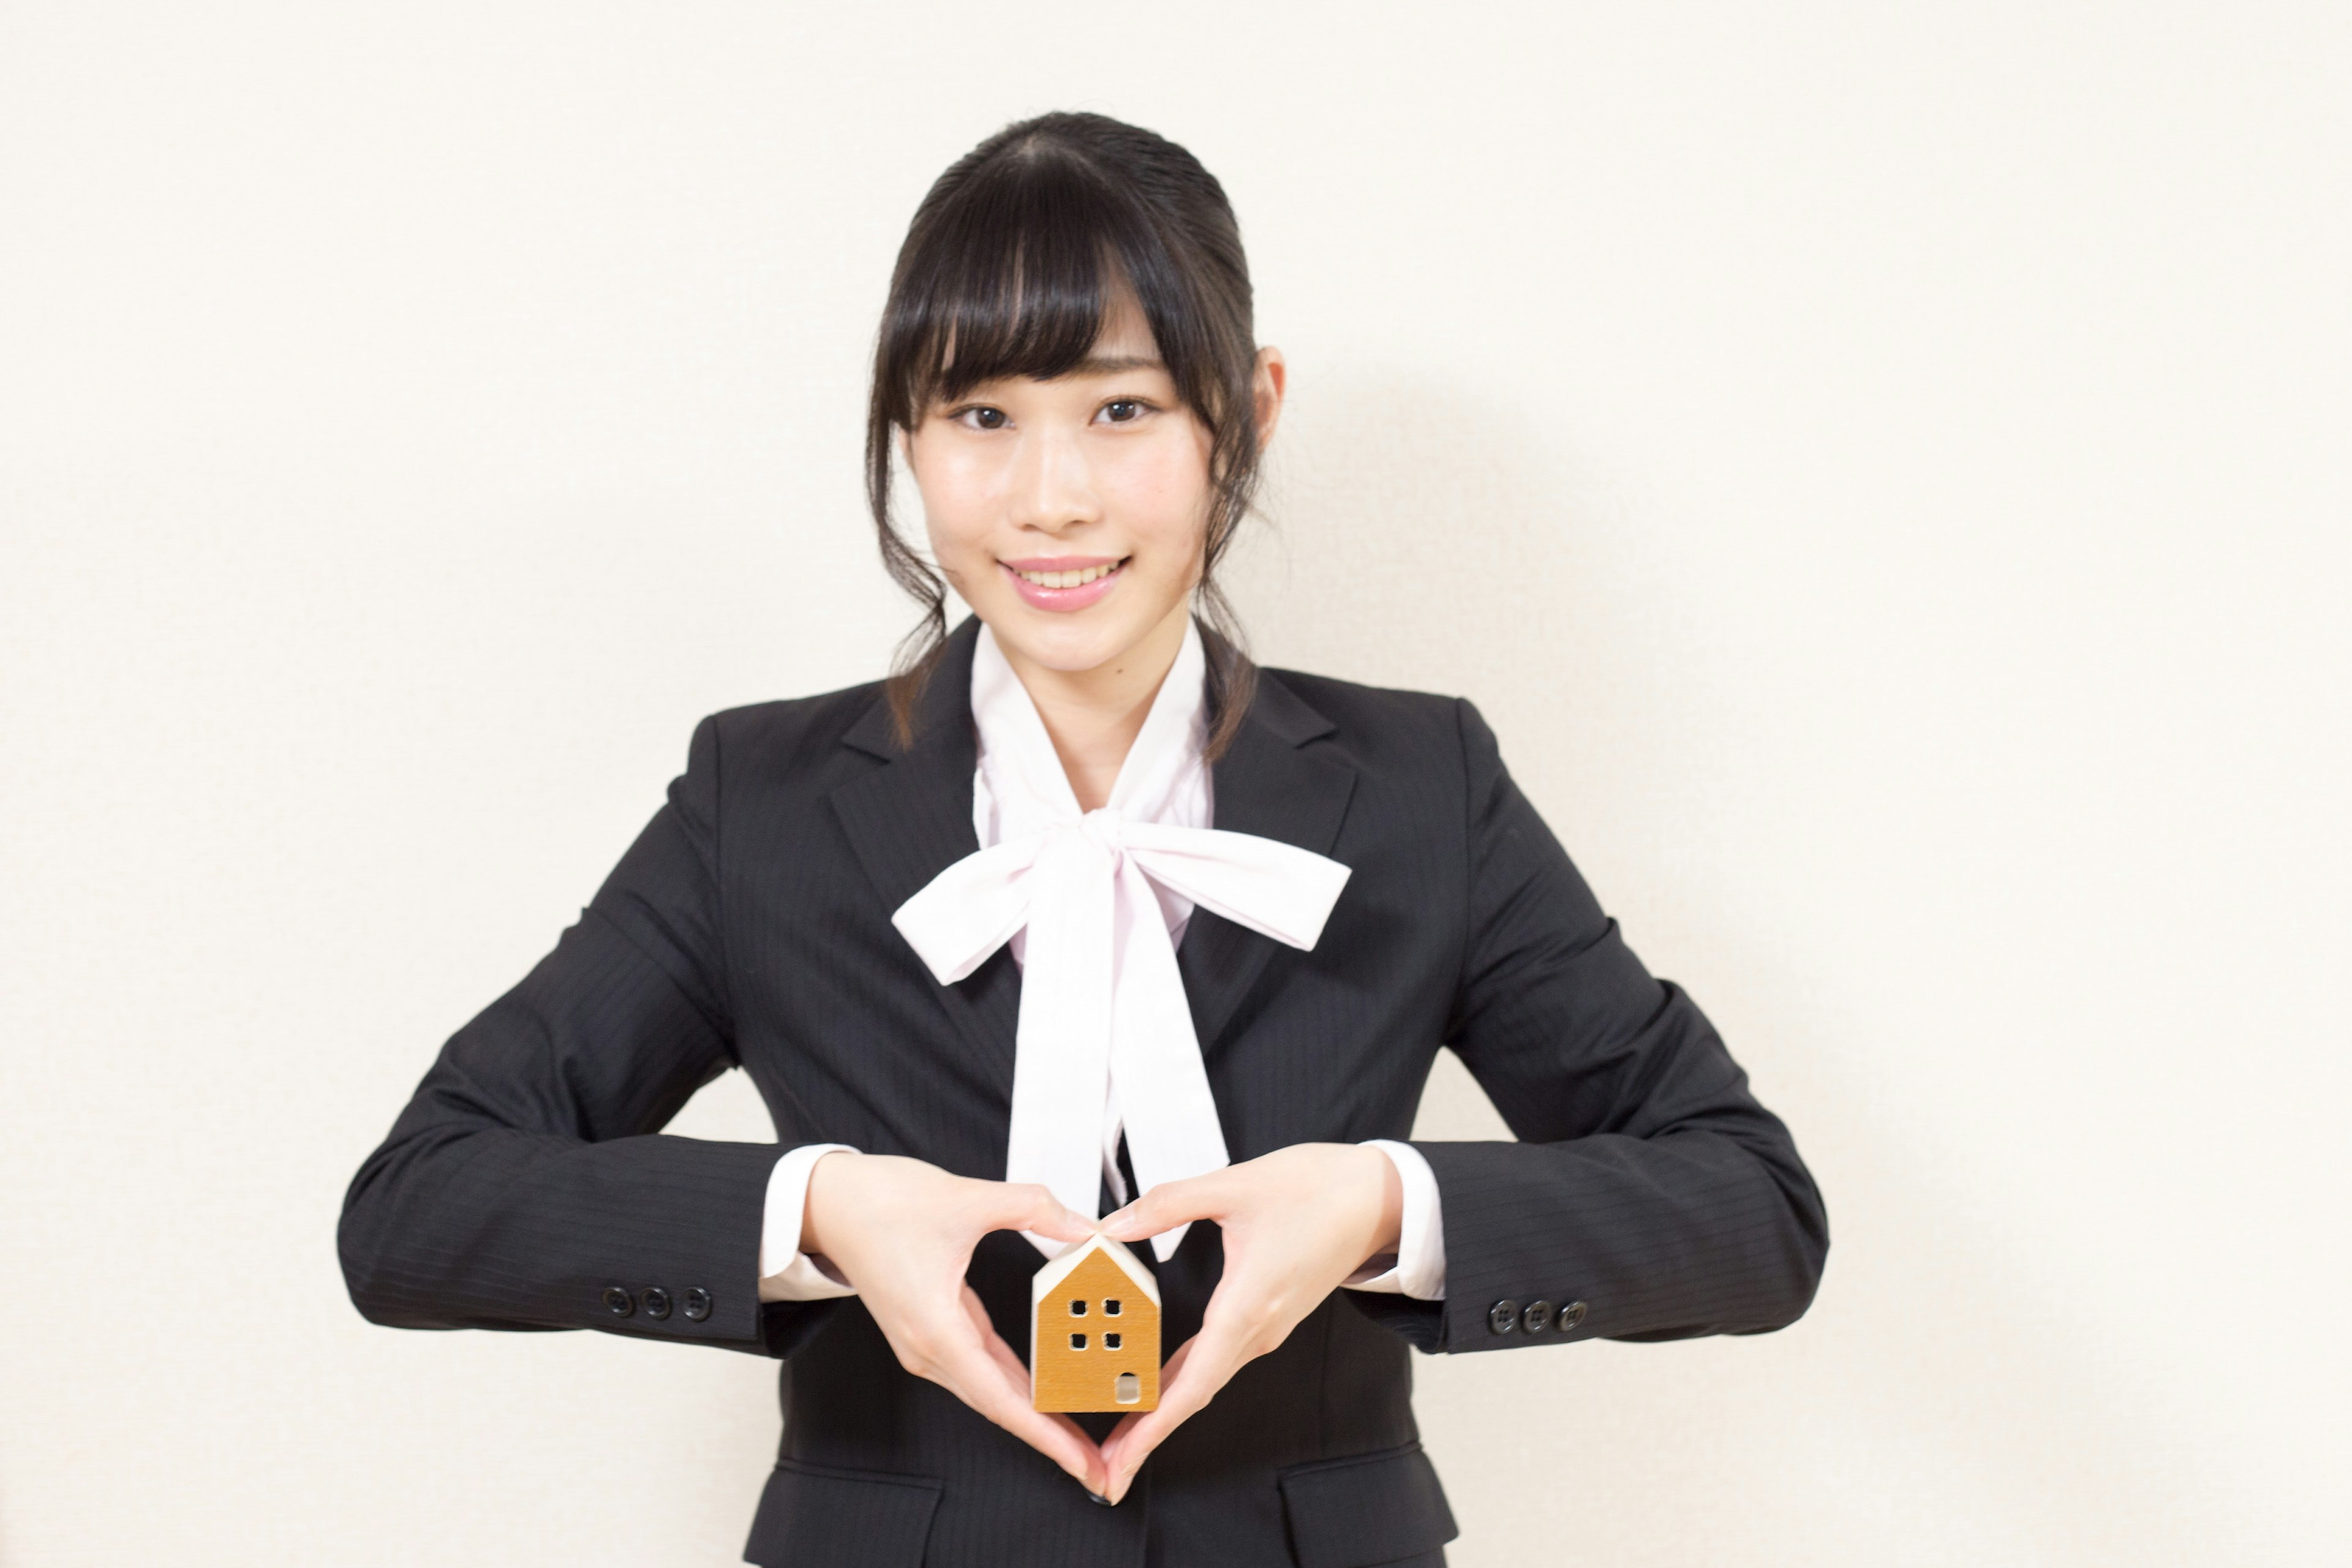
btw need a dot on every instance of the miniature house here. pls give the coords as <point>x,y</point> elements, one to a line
<point>1093,1331</point>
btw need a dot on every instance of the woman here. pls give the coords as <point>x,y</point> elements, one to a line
<point>1080,914</point>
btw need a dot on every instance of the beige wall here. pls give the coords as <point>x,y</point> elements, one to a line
<point>1880,469</point>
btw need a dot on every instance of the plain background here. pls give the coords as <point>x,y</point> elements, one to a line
<point>1881,469</point>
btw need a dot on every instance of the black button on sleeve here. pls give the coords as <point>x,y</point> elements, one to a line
<point>1537,1318</point>
<point>1572,1315</point>
<point>1503,1316</point>
<point>697,1304</point>
<point>617,1302</point>
<point>656,1301</point>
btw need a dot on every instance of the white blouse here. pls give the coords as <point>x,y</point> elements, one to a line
<point>1019,794</point>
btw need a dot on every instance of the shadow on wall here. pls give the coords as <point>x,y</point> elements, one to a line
<point>1422,537</point>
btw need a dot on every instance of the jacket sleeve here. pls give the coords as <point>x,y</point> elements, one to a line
<point>526,1185</point>
<point>1650,1196</point>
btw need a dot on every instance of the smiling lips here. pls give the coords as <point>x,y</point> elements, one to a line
<point>1063,581</point>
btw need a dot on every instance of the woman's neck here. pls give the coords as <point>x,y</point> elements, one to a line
<point>1094,715</point>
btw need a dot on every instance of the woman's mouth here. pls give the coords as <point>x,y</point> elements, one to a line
<point>1063,582</point>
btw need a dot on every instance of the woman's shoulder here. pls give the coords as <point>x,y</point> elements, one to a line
<point>804,740</point>
<point>790,720</point>
<point>1374,704</point>
<point>1374,722</point>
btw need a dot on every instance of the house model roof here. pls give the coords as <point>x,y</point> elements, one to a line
<point>1049,1278</point>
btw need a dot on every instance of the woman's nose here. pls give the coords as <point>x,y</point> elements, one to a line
<point>1053,486</point>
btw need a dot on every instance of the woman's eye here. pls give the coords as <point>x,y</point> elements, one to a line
<point>983,418</point>
<point>1121,410</point>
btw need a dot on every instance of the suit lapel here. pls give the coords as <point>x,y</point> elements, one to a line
<point>910,819</point>
<point>1265,784</point>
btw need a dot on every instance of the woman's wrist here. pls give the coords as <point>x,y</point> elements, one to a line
<point>1389,1228</point>
<point>815,1209</point>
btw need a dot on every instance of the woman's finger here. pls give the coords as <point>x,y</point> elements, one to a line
<point>1030,1206</point>
<point>1201,1366</point>
<point>1168,1373</point>
<point>992,1341</point>
<point>968,1370</point>
<point>1059,1438</point>
<point>1170,1205</point>
<point>1016,1377</point>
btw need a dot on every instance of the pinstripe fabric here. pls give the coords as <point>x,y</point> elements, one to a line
<point>748,925</point>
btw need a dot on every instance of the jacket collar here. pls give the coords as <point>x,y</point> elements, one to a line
<point>910,819</point>
<point>943,712</point>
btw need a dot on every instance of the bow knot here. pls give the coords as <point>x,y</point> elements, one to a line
<point>1104,1019</point>
<point>1102,1003</point>
<point>1103,827</point>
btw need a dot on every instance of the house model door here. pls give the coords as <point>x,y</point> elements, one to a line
<point>1093,1332</point>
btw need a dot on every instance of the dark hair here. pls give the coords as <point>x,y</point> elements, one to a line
<point>1015,258</point>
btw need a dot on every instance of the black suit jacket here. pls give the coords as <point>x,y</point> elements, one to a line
<point>527,1185</point>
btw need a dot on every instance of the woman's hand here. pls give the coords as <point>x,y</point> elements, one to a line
<point>1296,1221</point>
<point>902,1232</point>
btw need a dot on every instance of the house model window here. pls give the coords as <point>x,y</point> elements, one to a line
<point>1078,1361</point>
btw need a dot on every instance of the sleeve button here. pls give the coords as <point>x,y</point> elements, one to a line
<point>1537,1318</point>
<point>1503,1316</point>
<point>697,1304</point>
<point>656,1301</point>
<point>1571,1316</point>
<point>616,1301</point>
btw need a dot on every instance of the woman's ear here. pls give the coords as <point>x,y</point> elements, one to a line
<point>1266,387</point>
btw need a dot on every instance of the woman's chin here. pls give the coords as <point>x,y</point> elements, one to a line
<point>1065,642</point>
<point>1064,651</point>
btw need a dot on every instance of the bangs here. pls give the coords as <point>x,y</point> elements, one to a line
<point>1015,275</point>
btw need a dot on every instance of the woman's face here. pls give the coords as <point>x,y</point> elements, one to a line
<point>1070,513</point>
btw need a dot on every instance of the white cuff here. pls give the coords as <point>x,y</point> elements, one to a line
<point>1417,1269</point>
<point>786,1273</point>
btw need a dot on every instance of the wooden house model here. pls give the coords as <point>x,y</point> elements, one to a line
<point>1093,1331</point>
